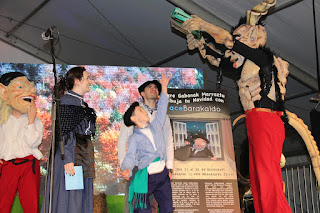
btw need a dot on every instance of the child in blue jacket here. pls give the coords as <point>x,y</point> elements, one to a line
<point>147,150</point>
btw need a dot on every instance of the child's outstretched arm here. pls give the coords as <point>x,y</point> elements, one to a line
<point>164,81</point>
<point>163,100</point>
<point>129,161</point>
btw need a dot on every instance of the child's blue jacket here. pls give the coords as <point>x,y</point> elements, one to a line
<point>140,148</point>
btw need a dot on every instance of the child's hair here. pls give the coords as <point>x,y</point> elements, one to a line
<point>127,115</point>
<point>67,82</point>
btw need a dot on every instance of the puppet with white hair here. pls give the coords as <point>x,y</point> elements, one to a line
<point>20,136</point>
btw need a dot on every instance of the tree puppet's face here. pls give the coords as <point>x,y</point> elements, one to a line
<point>200,143</point>
<point>235,58</point>
<point>20,94</point>
<point>252,36</point>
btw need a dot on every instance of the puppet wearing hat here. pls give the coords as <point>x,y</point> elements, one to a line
<point>20,136</point>
<point>196,147</point>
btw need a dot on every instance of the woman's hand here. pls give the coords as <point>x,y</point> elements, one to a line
<point>69,168</point>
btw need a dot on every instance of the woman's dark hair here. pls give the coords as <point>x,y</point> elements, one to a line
<point>67,82</point>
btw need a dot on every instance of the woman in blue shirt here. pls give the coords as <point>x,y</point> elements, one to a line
<point>77,126</point>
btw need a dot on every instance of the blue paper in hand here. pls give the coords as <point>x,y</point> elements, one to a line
<point>74,182</point>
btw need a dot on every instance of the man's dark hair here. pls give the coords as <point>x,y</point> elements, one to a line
<point>145,84</point>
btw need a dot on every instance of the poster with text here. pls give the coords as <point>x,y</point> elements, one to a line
<point>204,177</point>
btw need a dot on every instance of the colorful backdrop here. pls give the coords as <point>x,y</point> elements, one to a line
<point>113,90</point>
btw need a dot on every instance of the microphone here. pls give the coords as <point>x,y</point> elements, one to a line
<point>47,35</point>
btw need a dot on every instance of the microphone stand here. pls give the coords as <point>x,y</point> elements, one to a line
<point>56,123</point>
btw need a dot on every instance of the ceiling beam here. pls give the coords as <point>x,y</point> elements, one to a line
<point>283,6</point>
<point>33,12</point>
<point>29,48</point>
<point>170,58</point>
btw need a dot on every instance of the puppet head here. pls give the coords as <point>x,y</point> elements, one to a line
<point>252,36</point>
<point>200,142</point>
<point>16,92</point>
<point>258,11</point>
<point>252,33</point>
